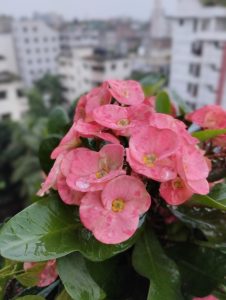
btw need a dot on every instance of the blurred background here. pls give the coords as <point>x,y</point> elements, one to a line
<point>51,52</point>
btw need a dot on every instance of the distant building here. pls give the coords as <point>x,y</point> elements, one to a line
<point>84,68</point>
<point>13,103</point>
<point>198,65</point>
<point>37,47</point>
<point>73,35</point>
<point>6,24</point>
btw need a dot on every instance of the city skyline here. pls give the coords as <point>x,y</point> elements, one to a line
<point>141,9</point>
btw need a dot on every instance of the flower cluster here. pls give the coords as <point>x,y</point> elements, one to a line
<point>138,145</point>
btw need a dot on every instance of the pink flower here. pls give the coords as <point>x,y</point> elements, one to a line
<point>47,276</point>
<point>71,140</point>
<point>209,116</point>
<point>175,192</point>
<point>125,120</point>
<point>193,169</point>
<point>113,214</point>
<point>211,297</point>
<point>91,170</point>
<point>52,177</point>
<point>150,153</point>
<point>126,91</point>
<point>68,195</point>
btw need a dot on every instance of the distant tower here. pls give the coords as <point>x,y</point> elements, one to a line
<point>159,24</point>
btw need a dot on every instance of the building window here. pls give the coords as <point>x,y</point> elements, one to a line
<point>195,69</point>
<point>98,68</point>
<point>197,48</point>
<point>35,29</point>
<point>193,89</point>
<point>26,41</point>
<point>221,24</point>
<point>29,62</point>
<point>45,39</point>
<point>6,116</point>
<point>36,40</point>
<point>3,95</point>
<point>25,29</point>
<point>39,61</point>
<point>37,50</point>
<point>46,50</point>
<point>113,66</point>
<point>32,72</point>
<point>181,22</point>
<point>195,25</point>
<point>28,51</point>
<point>20,93</point>
<point>205,25</point>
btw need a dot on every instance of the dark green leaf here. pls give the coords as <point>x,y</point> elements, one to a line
<point>151,262</point>
<point>45,150</point>
<point>163,103</point>
<point>202,269</point>
<point>207,201</point>
<point>218,192</point>
<point>63,296</point>
<point>49,229</point>
<point>210,221</point>
<point>208,134</point>
<point>76,278</point>
<point>58,120</point>
<point>152,84</point>
<point>31,297</point>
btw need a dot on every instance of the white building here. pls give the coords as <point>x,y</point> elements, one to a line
<point>85,68</point>
<point>74,35</point>
<point>198,65</point>
<point>37,47</point>
<point>13,103</point>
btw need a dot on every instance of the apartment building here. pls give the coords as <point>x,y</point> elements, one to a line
<point>198,64</point>
<point>84,68</point>
<point>37,47</point>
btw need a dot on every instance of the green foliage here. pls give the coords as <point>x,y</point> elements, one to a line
<point>208,134</point>
<point>45,150</point>
<point>163,103</point>
<point>157,267</point>
<point>49,229</point>
<point>31,297</point>
<point>77,280</point>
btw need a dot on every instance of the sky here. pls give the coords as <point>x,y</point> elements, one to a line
<point>83,9</point>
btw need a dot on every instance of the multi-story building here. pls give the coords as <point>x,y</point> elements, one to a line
<point>37,47</point>
<point>84,68</point>
<point>73,35</point>
<point>13,103</point>
<point>198,65</point>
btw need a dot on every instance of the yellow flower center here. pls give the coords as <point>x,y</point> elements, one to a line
<point>123,122</point>
<point>101,174</point>
<point>126,93</point>
<point>149,160</point>
<point>178,184</point>
<point>118,205</point>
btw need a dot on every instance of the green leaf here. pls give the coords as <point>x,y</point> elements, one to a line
<point>31,277</point>
<point>150,261</point>
<point>208,134</point>
<point>211,222</point>
<point>58,120</point>
<point>45,150</point>
<point>76,278</point>
<point>31,297</point>
<point>202,269</point>
<point>207,201</point>
<point>163,103</point>
<point>63,296</point>
<point>152,84</point>
<point>50,229</point>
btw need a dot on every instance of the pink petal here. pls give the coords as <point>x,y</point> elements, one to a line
<point>126,91</point>
<point>68,195</point>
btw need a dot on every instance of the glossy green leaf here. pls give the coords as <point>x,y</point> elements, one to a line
<point>63,296</point>
<point>45,150</point>
<point>50,229</point>
<point>183,107</point>
<point>31,297</point>
<point>152,84</point>
<point>163,103</point>
<point>58,121</point>
<point>150,261</point>
<point>76,278</point>
<point>210,221</point>
<point>218,192</point>
<point>207,201</point>
<point>31,277</point>
<point>208,134</point>
<point>202,269</point>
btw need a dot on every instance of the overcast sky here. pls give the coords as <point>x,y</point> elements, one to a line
<point>139,9</point>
